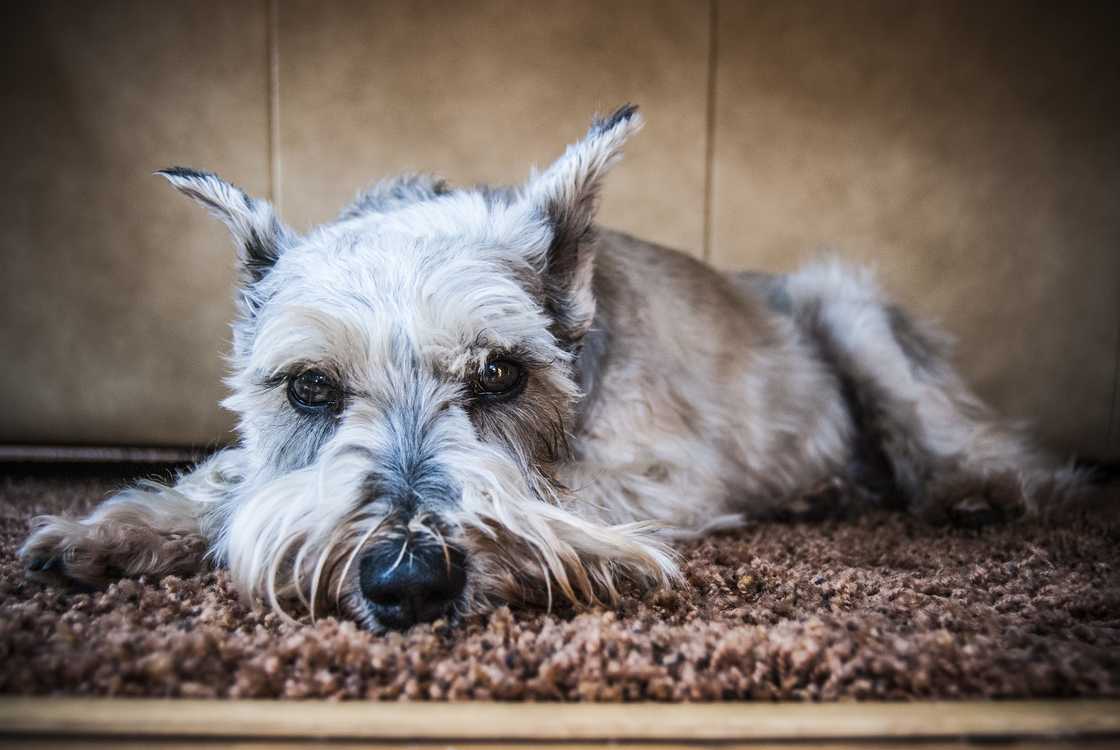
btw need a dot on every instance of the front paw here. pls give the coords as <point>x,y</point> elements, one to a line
<point>94,553</point>
<point>54,552</point>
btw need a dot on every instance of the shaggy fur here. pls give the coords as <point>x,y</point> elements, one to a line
<point>656,396</point>
<point>879,607</point>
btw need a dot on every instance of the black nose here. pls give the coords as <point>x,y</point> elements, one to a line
<point>418,586</point>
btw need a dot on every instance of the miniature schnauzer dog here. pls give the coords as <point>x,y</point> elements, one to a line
<point>452,398</point>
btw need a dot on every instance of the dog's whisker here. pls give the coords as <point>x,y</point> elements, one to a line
<point>353,554</point>
<point>297,576</point>
<point>317,574</point>
<point>272,575</point>
<point>547,578</point>
<point>400,555</point>
<point>443,547</point>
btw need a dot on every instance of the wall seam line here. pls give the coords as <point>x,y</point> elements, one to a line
<point>1111,439</point>
<point>273,14</point>
<point>710,131</point>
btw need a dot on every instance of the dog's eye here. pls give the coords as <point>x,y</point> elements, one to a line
<point>312,389</point>
<point>499,377</point>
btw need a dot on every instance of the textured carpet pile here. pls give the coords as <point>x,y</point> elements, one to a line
<point>878,607</point>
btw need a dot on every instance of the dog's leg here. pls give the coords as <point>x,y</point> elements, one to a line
<point>949,454</point>
<point>146,530</point>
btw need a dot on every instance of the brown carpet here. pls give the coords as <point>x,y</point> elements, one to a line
<point>879,607</point>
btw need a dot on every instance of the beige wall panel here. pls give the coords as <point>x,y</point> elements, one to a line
<point>970,150</point>
<point>478,91</point>
<point>116,290</point>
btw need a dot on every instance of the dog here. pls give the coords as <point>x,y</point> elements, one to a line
<point>450,398</point>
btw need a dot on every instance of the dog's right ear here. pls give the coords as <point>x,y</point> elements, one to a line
<point>566,195</point>
<point>259,235</point>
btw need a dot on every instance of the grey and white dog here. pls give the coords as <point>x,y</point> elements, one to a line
<point>452,398</point>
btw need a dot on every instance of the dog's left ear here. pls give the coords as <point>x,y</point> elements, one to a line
<point>567,196</point>
<point>259,235</point>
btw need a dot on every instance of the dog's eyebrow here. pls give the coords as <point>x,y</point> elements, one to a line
<point>468,357</point>
<point>302,335</point>
<point>522,351</point>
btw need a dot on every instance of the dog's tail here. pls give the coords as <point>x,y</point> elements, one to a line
<point>950,456</point>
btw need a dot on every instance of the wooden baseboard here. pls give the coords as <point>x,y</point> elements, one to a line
<point>88,454</point>
<point>102,723</point>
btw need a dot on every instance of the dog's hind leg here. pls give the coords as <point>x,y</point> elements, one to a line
<point>950,456</point>
<point>149,529</point>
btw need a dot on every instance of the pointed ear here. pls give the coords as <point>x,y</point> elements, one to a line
<point>259,235</point>
<point>567,196</point>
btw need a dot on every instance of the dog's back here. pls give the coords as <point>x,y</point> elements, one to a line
<point>703,401</point>
<point>756,388</point>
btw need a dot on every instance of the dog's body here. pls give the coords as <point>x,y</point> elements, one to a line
<point>450,398</point>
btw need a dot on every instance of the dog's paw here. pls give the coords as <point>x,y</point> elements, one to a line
<point>973,502</point>
<point>975,511</point>
<point>831,498</point>
<point>92,554</point>
<point>54,552</point>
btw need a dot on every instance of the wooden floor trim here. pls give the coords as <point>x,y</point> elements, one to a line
<point>106,454</point>
<point>557,723</point>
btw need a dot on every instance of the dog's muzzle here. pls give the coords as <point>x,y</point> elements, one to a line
<point>420,585</point>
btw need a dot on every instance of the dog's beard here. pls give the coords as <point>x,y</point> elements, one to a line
<point>292,542</point>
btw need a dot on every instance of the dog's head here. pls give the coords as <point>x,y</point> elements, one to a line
<point>405,382</point>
